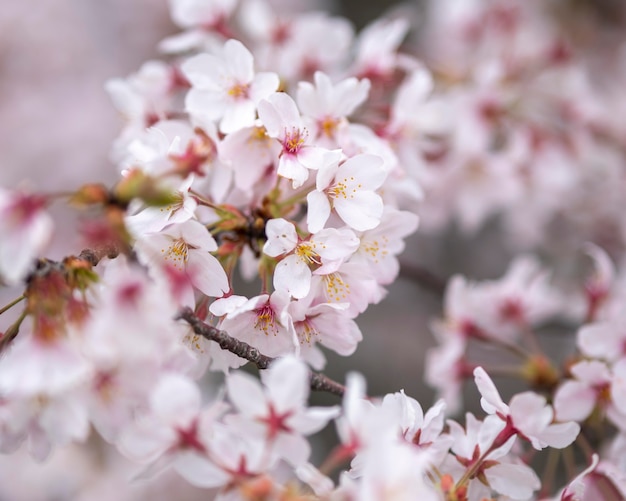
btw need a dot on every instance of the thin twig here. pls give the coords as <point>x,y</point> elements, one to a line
<point>11,304</point>
<point>319,381</point>
<point>423,277</point>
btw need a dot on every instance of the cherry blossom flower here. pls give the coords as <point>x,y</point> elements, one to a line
<point>379,246</point>
<point>225,88</point>
<point>25,229</point>
<point>329,105</point>
<point>260,321</point>
<point>324,323</point>
<point>376,48</point>
<point>349,189</point>
<point>186,247</point>
<point>279,407</point>
<point>473,447</point>
<point>281,118</point>
<point>154,219</point>
<point>576,399</point>
<point>175,432</point>
<point>324,251</point>
<point>252,155</point>
<point>527,415</point>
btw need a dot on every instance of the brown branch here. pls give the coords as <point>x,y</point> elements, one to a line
<point>423,277</point>
<point>319,381</point>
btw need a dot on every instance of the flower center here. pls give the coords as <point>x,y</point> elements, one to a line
<point>238,91</point>
<point>294,140</point>
<point>306,331</point>
<point>336,288</point>
<point>177,253</point>
<point>306,252</point>
<point>375,249</point>
<point>344,188</point>
<point>328,126</point>
<point>266,320</point>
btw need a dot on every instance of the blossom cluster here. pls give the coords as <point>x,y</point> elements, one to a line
<point>293,153</point>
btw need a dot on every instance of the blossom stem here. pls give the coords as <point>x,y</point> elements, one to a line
<point>11,304</point>
<point>585,446</point>
<point>318,381</point>
<point>549,472</point>
<point>12,332</point>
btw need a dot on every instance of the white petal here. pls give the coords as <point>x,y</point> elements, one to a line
<point>175,398</point>
<point>281,237</point>
<point>491,400</point>
<point>206,273</point>
<point>287,383</point>
<point>361,211</point>
<point>246,394</point>
<point>292,276</point>
<point>318,210</point>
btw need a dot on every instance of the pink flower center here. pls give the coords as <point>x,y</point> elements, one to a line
<point>239,91</point>
<point>293,141</point>
<point>266,319</point>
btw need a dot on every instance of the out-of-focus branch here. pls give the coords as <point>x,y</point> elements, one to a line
<point>423,277</point>
<point>319,381</point>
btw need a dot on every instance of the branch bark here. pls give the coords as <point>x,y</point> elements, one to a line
<point>318,381</point>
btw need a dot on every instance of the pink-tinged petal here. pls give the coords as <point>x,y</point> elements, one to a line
<point>333,244</point>
<point>318,210</point>
<point>204,71</point>
<point>290,167</point>
<point>264,84</point>
<point>340,334</point>
<point>601,340</point>
<point>203,103</point>
<point>237,116</point>
<point>146,441</point>
<point>239,60</point>
<point>313,419</point>
<point>491,427</point>
<point>327,172</point>
<point>223,306</point>
<point>517,481</point>
<point>618,386</point>
<point>295,449</point>
<point>246,394</point>
<point>287,383</point>
<point>491,402</point>
<point>206,273</point>
<point>574,401</point>
<point>591,371</point>
<point>200,471</point>
<point>313,157</point>
<point>176,399</point>
<point>195,235</point>
<point>292,276</point>
<point>279,113</point>
<point>281,237</point>
<point>308,99</point>
<point>361,211</point>
<point>560,435</point>
<point>366,169</point>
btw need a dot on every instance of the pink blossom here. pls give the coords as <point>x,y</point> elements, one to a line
<point>224,87</point>
<point>186,247</point>
<point>348,188</point>
<point>321,254</point>
<point>528,415</point>
<point>281,118</point>
<point>279,407</point>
